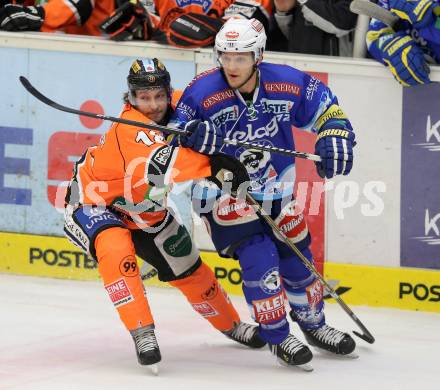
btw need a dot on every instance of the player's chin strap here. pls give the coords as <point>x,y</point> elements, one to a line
<point>171,130</point>
<point>366,335</point>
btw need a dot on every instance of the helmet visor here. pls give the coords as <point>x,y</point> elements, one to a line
<point>237,60</point>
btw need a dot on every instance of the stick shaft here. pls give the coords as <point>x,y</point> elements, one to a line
<point>366,7</point>
<point>367,336</point>
<point>170,130</point>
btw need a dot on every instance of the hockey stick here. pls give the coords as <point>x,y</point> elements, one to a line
<point>366,335</point>
<point>366,7</point>
<point>248,145</point>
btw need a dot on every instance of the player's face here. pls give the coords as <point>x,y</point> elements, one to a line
<point>238,68</point>
<point>152,103</point>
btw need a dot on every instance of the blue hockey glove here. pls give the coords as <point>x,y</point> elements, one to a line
<point>335,146</point>
<point>419,13</point>
<point>19,18</point>
<point>203,137</point>
<point>405,59</point>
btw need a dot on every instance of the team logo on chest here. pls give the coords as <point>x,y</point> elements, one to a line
<point>258,164</point>
<point>251,134</point>
<point>254,160</point>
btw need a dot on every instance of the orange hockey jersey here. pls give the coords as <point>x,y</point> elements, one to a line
<point>84,16</point>
<point>76,16</point>
<point>207,7</point>
<point>214,8</point>
<point>132,169</point>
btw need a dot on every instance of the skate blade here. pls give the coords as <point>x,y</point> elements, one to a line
<point>307,367</point>
<point>350,356</point>
<point>154,369</point>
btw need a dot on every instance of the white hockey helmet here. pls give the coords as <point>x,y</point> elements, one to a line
<point>240,35</point>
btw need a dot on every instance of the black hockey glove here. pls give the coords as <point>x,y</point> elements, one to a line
<point>229,175</point>
<point>129,21</point>
<point>19,18</point>
<point>189,29</point>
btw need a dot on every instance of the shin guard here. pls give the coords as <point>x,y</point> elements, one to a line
<point>120,273</point>
<point>262,287</point>
<point>208,298</point>
<point>304,292</point>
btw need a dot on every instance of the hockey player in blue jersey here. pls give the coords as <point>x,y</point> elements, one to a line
<point>253,101</point>
<point>408,51</point>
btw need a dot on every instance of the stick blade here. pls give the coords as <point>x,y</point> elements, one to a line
<point>365,7</point>
<point>44,99</point>
<point>34,92</point>
<point>366,337</point>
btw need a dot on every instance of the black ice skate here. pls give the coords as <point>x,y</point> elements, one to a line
<point>147,349</point>
<point>246,334</point>
<point>331,339</point>
<point>293,353</point>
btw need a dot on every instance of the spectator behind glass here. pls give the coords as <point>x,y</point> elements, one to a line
<point>312,27</point>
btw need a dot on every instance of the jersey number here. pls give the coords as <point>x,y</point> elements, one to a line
<point>150,139</point>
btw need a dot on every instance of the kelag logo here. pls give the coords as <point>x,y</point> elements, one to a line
<point>432,136</point>
<point>420,184</point>
<point>430,228</point>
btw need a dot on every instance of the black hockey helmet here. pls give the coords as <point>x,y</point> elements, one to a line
<point>145,74</point>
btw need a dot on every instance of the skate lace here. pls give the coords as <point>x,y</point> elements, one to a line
<point>291,345</point>
<point>328,335</point>
<point>243,332</point>
<point>146,341</point>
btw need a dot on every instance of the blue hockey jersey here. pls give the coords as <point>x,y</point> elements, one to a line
<point>284,97</point>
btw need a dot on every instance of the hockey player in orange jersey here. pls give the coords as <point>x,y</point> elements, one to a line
<point>116,209</point>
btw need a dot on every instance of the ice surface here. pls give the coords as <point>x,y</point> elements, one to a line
<point>58,334</point>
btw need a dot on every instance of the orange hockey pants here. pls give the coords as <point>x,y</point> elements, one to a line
<point>118,268</point>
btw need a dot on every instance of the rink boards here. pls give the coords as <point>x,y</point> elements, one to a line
<point>402,288</point>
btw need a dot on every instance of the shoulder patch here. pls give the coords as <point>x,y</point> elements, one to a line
<point>161,161</point>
